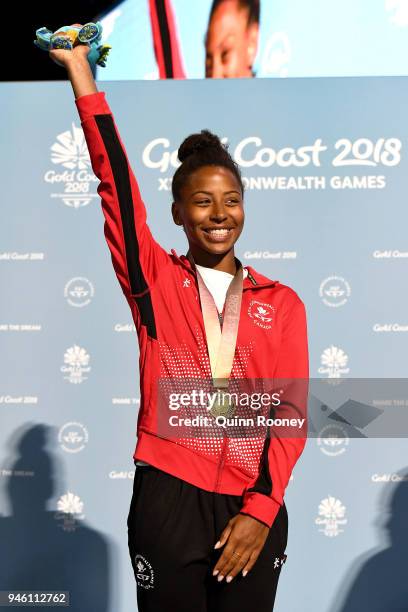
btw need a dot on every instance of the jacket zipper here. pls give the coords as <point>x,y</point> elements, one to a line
<point>221,463</point>
<point>220,318</point>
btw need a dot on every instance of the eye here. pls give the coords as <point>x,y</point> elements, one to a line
<point>233,200</point>
<point>205,201</point>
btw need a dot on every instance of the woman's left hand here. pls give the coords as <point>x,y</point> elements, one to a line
<point>245,537</point>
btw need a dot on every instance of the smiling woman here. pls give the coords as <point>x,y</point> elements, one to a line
<point>204,507</point>
<point>208,200</point>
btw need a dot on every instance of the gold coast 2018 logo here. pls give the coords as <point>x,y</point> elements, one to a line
<point>72,178</point>
<point>262,314</point>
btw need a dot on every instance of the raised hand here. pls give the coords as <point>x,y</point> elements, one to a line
<point>64,57</point>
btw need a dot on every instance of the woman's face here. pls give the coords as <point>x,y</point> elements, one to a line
<point>211,199</point>
<point>231,43</point>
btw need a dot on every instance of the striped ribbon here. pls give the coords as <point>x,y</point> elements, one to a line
<point>221,342</point>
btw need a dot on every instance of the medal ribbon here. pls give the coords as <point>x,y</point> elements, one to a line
<point>221,343</point>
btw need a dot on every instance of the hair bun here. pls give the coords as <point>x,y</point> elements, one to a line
<point>195,143</point>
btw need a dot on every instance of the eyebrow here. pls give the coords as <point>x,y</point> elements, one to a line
<point>210,192</point>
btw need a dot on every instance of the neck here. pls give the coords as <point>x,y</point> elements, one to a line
<point>224,262</point>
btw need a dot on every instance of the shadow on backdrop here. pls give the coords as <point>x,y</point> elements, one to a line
<point>377,580</point>
<point>45,550</point>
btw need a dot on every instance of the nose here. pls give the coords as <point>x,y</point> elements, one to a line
<point>218,212</point>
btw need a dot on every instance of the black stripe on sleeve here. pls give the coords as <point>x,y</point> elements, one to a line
<point>120,172</point>
<point>263,483</point>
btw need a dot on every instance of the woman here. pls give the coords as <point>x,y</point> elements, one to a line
<point>207,525</point>
<point>231,41</point>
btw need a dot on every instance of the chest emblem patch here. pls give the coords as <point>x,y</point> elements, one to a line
<point>261,313</point>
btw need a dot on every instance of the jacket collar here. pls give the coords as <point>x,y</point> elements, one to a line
<point>253,280</point>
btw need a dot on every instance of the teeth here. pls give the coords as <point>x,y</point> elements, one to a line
<point>218,231</point>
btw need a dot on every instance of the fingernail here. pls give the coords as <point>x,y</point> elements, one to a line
<point>220,577</point>
<point>217,544</point>
<point>215,572</point>
<point>244,573</point>
<point>229,578</point>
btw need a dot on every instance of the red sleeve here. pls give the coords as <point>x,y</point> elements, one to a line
<point>263,495</point>
<point>136,256</point>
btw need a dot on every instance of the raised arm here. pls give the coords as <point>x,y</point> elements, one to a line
<point>80,73</point>
<point>137,258</point>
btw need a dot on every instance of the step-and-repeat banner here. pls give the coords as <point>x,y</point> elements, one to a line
<point>325,170</point>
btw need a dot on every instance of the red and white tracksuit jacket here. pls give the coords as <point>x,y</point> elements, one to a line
<point>162,292</point>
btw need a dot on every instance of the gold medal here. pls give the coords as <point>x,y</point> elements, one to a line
<point>223,405</point>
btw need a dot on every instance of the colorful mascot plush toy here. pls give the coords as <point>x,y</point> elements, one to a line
<point>68,37</point>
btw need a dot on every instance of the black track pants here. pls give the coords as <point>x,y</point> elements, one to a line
<point>172,529</point>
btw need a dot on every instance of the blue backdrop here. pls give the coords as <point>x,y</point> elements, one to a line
<point>326,173</point>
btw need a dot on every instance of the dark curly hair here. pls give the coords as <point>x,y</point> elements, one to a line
<point>202,149</point>
<point>252,6</point>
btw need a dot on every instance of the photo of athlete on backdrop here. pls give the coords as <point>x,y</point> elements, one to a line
<point>207,524</point>
<point>232,37</point>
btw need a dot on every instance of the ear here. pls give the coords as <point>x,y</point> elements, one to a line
<point>253,36</point>
<point>175,213</point>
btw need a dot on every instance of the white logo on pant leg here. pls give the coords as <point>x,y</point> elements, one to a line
<point>144,572</point>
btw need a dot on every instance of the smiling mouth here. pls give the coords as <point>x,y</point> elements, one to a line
<point>218,235</point>
<point>224,231</point>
